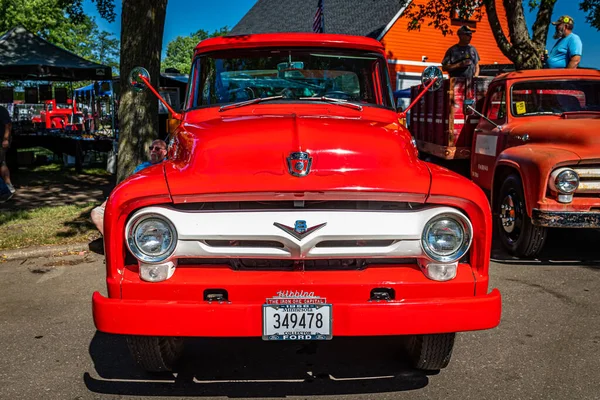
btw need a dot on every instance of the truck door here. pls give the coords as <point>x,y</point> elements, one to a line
<point>488,138</point>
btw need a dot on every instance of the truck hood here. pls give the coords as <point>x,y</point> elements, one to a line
<point>249,154</point>
<point>579,136</point>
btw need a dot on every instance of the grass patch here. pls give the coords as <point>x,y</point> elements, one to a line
<point>46,226</point>
<point>57,167</point>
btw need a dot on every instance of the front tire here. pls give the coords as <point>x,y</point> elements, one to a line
<point>155,353</point>
<point>431,352</point>
<point>515,229</point>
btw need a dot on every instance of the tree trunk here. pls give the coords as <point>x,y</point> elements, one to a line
<point>142,25</point>
<point>524,52</point>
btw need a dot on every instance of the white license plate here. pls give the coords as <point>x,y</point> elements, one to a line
<point>297,322</point>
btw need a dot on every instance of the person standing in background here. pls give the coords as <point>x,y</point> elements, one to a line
<point>5,131</point>
<point>568,49</point>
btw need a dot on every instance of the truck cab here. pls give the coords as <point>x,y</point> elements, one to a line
<point>293,206</point>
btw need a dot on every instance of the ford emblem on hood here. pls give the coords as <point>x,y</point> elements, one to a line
<point>299,163</point>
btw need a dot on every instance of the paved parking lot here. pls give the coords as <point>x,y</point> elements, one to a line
<point>546,347</point>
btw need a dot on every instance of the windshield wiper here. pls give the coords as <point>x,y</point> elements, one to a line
<point>332,100</point>
<point>249,102</point>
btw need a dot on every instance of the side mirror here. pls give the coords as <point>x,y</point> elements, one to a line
<point>469,107</point>
<point>290,65</point>
<point>139,79</point>
<point>429,74</point>
<point>135,80</point>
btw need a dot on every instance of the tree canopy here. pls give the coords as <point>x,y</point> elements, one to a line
<point>63,23</point>
<point>521,47</point>
<point>180,50</point>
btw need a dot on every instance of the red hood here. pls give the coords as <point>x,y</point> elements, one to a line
<point>247,153</point>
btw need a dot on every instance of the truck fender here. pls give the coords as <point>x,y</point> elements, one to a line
<point>533,163</point>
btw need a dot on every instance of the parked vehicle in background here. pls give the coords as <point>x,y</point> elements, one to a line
<point>60,116</point>
<point>293,206</point>
<point>533,146</point>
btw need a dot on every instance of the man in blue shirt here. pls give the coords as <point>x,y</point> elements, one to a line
<point>567,51</point>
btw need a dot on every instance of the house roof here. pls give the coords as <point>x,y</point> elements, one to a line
<point>351,17</point>
<point>25,56</point>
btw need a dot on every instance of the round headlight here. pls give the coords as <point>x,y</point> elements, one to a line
<point>152,238</point>
<point>567,181</point>
<point>446,238</point>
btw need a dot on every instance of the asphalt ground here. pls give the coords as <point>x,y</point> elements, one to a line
<point>546,347</point>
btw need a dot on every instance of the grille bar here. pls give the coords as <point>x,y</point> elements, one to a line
<point>589,180</point>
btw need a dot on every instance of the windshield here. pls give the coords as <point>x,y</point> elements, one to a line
<point>296,74</point>
<point>555,97</point>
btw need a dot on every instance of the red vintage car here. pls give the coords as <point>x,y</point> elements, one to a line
<point>293,206</point>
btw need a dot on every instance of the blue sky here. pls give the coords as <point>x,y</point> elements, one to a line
<point>187,16</point>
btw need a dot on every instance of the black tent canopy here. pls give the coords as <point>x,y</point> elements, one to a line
<point>25,56</point>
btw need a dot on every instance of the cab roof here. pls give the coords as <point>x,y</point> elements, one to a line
<point>551,73</point>
<point>289,40</point>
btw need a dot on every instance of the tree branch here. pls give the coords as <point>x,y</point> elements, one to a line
<point>501,40</point>
<point>542,23</point>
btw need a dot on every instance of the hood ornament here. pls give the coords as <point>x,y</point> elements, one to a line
<point>299,163</point>
<point>300,229</point>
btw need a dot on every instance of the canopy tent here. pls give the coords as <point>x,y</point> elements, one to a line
<point>99,89</point>
<point>25,56</point>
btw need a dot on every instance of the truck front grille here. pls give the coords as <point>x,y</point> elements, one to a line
<point>252,264</point>
<point>589,176</point>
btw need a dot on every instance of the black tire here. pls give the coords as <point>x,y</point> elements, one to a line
<point>520,237</point>
<point>431,352</point>
<point>154,353</point>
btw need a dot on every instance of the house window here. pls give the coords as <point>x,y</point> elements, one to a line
<point>471,14</point>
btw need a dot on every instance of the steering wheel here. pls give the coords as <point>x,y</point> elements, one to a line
<point>338,94</point>
<point>247,92</point>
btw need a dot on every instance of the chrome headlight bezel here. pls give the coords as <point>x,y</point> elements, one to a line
<point>557,175</point>
<point>467,232</point>
<point>134,248</point>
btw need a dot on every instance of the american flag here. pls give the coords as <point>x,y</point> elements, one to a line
<point>318,20</point>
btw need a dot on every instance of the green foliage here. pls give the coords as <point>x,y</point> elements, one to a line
<point>440,13</point>
<point>181,49</point>
<point>523,48</point>
<point>106,9</point>
<point>52,20</point>
<point>592,7</point>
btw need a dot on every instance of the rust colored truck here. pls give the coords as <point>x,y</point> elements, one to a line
<point>532,142</point>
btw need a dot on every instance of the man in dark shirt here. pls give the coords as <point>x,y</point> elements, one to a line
<point>462,59</point>
<point>5,128</point>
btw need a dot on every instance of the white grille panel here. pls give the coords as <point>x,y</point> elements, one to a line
<point>401,228</point>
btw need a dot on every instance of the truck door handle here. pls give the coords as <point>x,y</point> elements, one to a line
<point>478,130</point>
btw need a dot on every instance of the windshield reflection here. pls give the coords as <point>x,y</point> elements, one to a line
<point>298,75</point>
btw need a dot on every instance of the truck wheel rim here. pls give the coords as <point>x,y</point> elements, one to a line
<point>510,218</point>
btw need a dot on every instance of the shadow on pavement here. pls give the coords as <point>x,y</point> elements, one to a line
<point>250,367</point>
<point>580,247</point>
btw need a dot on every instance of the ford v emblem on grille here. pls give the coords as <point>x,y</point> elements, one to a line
<point>299,163</point>
<point>300,229</point>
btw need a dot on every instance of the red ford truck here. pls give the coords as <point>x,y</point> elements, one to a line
<point>293,206</point>
<point>532,143</point>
